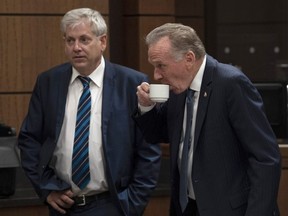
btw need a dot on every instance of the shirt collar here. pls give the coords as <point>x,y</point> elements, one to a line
<point>197,81</point>
<point>96,76</point>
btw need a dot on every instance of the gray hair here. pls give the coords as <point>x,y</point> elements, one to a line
<point>74,17</point>
<point>183,39</point>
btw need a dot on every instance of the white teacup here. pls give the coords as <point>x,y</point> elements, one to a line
<point>158,93</point>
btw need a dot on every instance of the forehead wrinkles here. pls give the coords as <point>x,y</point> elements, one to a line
<point>81,28</point>
<point>159,51</point>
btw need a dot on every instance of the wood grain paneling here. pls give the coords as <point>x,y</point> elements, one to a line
<point>189,8</point>
<point>136,29</point>
<point>152,7</point>
<point>131,42</point>
<point>49,6</point>
<point>197,23</point>
<point>25,211</point>
<point>13,109</point>
<point>158,206</point>
<point>32,45</point>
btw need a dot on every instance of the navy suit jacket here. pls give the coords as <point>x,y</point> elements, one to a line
<point>132,165</point>
<point>236,162</point>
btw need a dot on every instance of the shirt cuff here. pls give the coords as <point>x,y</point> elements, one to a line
<point>145,109</point>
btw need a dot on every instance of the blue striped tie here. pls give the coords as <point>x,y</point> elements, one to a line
<point>183,187</point>
<point>80,159</point>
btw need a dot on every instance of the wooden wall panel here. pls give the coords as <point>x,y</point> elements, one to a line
<point>13,108</point>
<point>131,42</point>
<point>135,48</point>
<point>189,8</point>
<point>149,7</point>
<point>198,24</point>
<point>50,6</point>
<point>32,45</point>
<point>158,206</point>
<point>25,211</point>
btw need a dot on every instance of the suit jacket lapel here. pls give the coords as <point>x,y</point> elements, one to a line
<point>205,93</point>
<point>107,109</point>
<point>107,102</point>
<point>63,81</point>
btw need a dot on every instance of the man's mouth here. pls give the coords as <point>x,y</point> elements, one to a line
<point>79,58</point>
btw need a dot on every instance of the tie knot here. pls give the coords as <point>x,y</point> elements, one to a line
<point>85,81</point>
<point>190,94</point>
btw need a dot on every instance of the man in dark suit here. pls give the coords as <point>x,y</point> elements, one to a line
<point>233,160</point>
<point>122,168</point>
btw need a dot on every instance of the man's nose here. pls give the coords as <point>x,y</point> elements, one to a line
<point>157,74</point>
<point>76,46</point>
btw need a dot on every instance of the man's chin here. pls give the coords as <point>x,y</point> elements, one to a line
<point>79,64</point>
<point>177,91</point>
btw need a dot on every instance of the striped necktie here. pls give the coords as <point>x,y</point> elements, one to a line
<point>80,159</point>
<point>183,187</point>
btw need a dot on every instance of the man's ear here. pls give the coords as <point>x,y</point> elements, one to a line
<point>190,57</point>
<point>103,40</point>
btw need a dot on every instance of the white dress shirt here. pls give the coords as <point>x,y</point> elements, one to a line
<point>64,149</point>
<point>196,86</point>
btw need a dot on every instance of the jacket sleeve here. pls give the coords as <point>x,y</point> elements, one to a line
<point>36,146</point>
<point>246,113</point>
<point>144,181</point>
